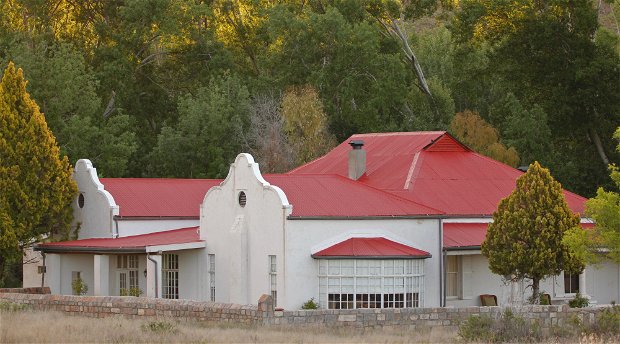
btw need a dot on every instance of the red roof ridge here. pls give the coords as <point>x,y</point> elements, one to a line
<point>161,179</point>
<point>399,133</point>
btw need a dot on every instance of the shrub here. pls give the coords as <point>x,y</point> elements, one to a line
<point>608,321</point>
<point>578,302</point>
<point>508,328</point>
<point>160,327</point>
<point>310,304</point>
<point>79,287</point>
<point>131,292</point>
<point>12,307</point>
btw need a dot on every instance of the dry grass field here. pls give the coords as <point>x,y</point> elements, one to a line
<point>52,327</point>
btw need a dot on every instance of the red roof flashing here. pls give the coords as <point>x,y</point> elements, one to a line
<point>370,248</point>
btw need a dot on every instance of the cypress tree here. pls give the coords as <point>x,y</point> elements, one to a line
<point>36,188</point>
<point>525,239</point>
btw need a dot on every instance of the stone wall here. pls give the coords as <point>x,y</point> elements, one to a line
<point>33,290</point>
<point>139,307</point>
<point>263,313</point>
<point>416,318</point>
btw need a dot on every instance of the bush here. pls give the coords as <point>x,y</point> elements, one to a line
<point>310,304</point>
<point>131,292</point>
<point>79,287</point>
<point>508,328</point>
<point>160,327</point>
<point>578,302</point>
<point>12,307</point>
<point>608,322</point>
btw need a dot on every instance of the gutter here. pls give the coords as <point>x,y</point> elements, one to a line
<point>140,218</point>
<point>371,257</point>
<point>94,250</point>
<point>462,248</point>
<point>388,217</point>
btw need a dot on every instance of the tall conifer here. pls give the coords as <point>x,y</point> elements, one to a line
<point>36,188</point>
<point>525,239</point>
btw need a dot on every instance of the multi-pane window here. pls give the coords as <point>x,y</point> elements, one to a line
<point>452,276</point>
<point>128,274</point>
<point>212,276</point>
<point>571,283</point>
<point>273,279</point>
<point>371,283</point>
<point>170,276</point>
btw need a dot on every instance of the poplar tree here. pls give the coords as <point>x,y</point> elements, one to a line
<point>36,188</point>
<point>524,241</point>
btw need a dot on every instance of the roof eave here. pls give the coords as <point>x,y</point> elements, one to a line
<point>369,217</point>
<point>462,248</point>
<point>373,257</point>
<point>92,250</point>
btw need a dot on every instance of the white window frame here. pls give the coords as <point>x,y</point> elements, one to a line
<point>170,276</point>
<point>127,267</point>
<point>457,278</point>
<point>371,283</point>
<point>273,279</point>
<point>212,277</point>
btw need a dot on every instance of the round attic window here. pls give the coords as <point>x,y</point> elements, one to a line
<point>81,200</point>
<point>242,199</point>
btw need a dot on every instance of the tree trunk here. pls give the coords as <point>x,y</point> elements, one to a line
<point>535,291</point>
<point>599,146</point>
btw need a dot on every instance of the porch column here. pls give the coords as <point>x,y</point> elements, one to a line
<point>153,276</point>
<point>101,275</point>
<point>582,284</point>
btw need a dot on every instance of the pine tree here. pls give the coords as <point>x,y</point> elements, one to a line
<point>524,241</point>
<point>35,182</point>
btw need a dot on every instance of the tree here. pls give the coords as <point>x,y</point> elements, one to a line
<point>525,239</point>
<point>605,210</point>
<point>305,124</point>
<point>37,188</point>
<point>475,132</point>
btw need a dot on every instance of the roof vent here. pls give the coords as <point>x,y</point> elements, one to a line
<point>242,199</point>
<point>357,159</point>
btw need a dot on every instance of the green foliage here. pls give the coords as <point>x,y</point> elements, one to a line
<point>12,307</point>
<point>310,304</point>
<point>160,327</point>
<point>578,301</point>
<point>37,188</point>
<point>525,238</point>
<point>208,135</point>
<point>605,210</point>
<point>79,287</point>
<point>508,328</point>
<point>137,292</point>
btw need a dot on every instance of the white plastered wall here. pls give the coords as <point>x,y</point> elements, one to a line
<point>305,236</point>
<point>129,227</point>
<point>242,238</point>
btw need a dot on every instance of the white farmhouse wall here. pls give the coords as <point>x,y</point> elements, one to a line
<point>603,282</point>
<point>305,236</point>
<point>67,264</point>
<point>128,227</point>
<point>193,279</point>
<point>95,218</point>
<point>242,238</point>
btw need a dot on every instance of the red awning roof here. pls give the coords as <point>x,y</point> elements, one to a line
<point>135,243</point>
<point>471,235</point>
<point>370,248</point>
<point>159,197</point>
<point>430,168</point>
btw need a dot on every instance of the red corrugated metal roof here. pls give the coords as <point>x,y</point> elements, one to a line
<point>463,234</point>
<point>457,235</point>
<point>170,237</point>
<point>370,248</point>
<point>447,177</point>
<point>337,196</point>
<point>159,197</point>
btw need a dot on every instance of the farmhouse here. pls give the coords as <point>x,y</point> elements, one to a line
<point>385,220</point>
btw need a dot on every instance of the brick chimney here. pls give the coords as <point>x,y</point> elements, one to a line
<point>357,159</point>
